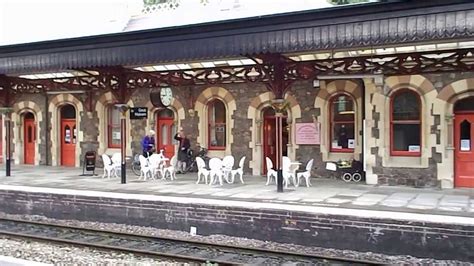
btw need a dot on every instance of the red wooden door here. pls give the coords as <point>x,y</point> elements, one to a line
<point>1,139</point>
<point>166,131</point>
<point>68,142</point>
<point>464,150</point>
<point>30,140</point>
<point>269,139</point>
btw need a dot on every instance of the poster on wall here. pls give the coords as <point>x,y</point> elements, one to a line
<point>350,143</point>
<point>307,133</point>
<point>465,145</point>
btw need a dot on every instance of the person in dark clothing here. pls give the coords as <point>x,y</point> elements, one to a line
<point>148,144</point>
<point>184,145</point>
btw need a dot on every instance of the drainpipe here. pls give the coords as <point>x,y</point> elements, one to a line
<point>47,133</point>
<point>362,154</point>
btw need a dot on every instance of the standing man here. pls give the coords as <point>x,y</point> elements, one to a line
<point>148,144</point>
<point>184,146</point>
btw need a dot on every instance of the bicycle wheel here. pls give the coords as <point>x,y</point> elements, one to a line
<point>356,177</point>
<point>136,169</point>
<point>347,177</point>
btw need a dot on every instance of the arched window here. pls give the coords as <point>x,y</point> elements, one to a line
<point>405,124</point>
<point>113,127</point>
<point>342,118</point>
<point>216,125</point>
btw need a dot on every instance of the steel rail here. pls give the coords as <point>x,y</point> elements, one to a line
<point>202,244</point>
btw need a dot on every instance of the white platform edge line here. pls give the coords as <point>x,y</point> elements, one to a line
<point>392,215</point>
<point>17,261</point>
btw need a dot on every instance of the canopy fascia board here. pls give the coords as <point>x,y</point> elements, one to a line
<point>388,24</point>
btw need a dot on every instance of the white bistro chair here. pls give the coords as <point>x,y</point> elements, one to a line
<point>306,174</point>
<point>171,169</point>
<point>215,166</point>
<point>288,172</point>
<point>271,173</point>
<point>108,166</point>
<point>227,165</point>
<point>117,163</point>
<point>155,166</point>
<point>202,171</point>
<point>239,171</point>
<point>145,167</point>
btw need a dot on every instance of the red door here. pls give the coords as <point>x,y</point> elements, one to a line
<point>464,150</point>
<point>166,131</point>
<point>269,138</point>
<point>1,139</point>
<point>30,140</point>
<point>269,141</point>
<point>68,142</point>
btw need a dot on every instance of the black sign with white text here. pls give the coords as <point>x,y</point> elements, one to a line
<point>139,113</point>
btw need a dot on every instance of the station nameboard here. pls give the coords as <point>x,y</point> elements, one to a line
<point>307,133</point>
<point>139,113</point>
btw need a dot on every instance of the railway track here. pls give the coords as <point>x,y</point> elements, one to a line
<point>170,248</point>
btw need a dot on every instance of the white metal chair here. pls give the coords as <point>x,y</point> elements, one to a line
<point>155,165</point>
<point>117,163</point>
<point>239,171</point>
<point>227,165</point>
<point>145,167</point>
<point>306,174</point>
<point>108,166</point>
<point>287,172</point>
<point>202,171</point>
<point>215,165</point>
<point>171,169</point>
<point>271,173</point>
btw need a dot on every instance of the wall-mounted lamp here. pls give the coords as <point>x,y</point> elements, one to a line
<point>191,112</point>
<point>316,83</point>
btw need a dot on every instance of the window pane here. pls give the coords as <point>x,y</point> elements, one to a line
<point>342,108</point>
<point>465,143</point>
<point>406,106</point>
<point>67,134</point>
<point>116,135</point>
<point>164,134</point>
<point>343,136</point>
<point>406,137</point>
<point>217,126</point>
<point>30,134</point>
<point>464,105</point>
<point>166,113</point>
<point>115,116</point>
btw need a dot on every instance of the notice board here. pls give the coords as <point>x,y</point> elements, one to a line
<point>307,133</point>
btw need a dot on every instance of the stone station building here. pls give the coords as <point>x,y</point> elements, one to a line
<point>389,84</point>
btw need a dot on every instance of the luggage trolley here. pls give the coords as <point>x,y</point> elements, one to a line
<point>349,170</point>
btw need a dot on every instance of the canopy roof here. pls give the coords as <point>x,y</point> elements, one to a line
<point>346,28</point>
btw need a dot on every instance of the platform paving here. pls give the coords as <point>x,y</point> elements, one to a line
<point>324,192</point>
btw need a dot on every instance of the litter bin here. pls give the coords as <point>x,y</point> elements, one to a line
<point>89,163</point>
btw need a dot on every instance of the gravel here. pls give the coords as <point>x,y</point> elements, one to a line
<point>70,255</point>
<point>122,259</point>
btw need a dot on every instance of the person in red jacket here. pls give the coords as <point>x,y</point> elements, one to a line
<point>184,145</point>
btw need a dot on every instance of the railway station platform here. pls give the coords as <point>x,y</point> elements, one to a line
<point>332,213</point>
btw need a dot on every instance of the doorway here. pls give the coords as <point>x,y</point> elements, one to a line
<point>29,136</point>
<point>68,135</point>
<point>464,147</point>
<point>269,136</point>
<point>166,130</point>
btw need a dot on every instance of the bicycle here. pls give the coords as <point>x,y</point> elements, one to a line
<point>191,164</point>
<point>136,168</point>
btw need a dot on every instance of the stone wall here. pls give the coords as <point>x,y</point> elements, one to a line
<point>309,228</point>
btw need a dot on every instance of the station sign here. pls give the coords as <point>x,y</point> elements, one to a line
<point>139,113</point>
